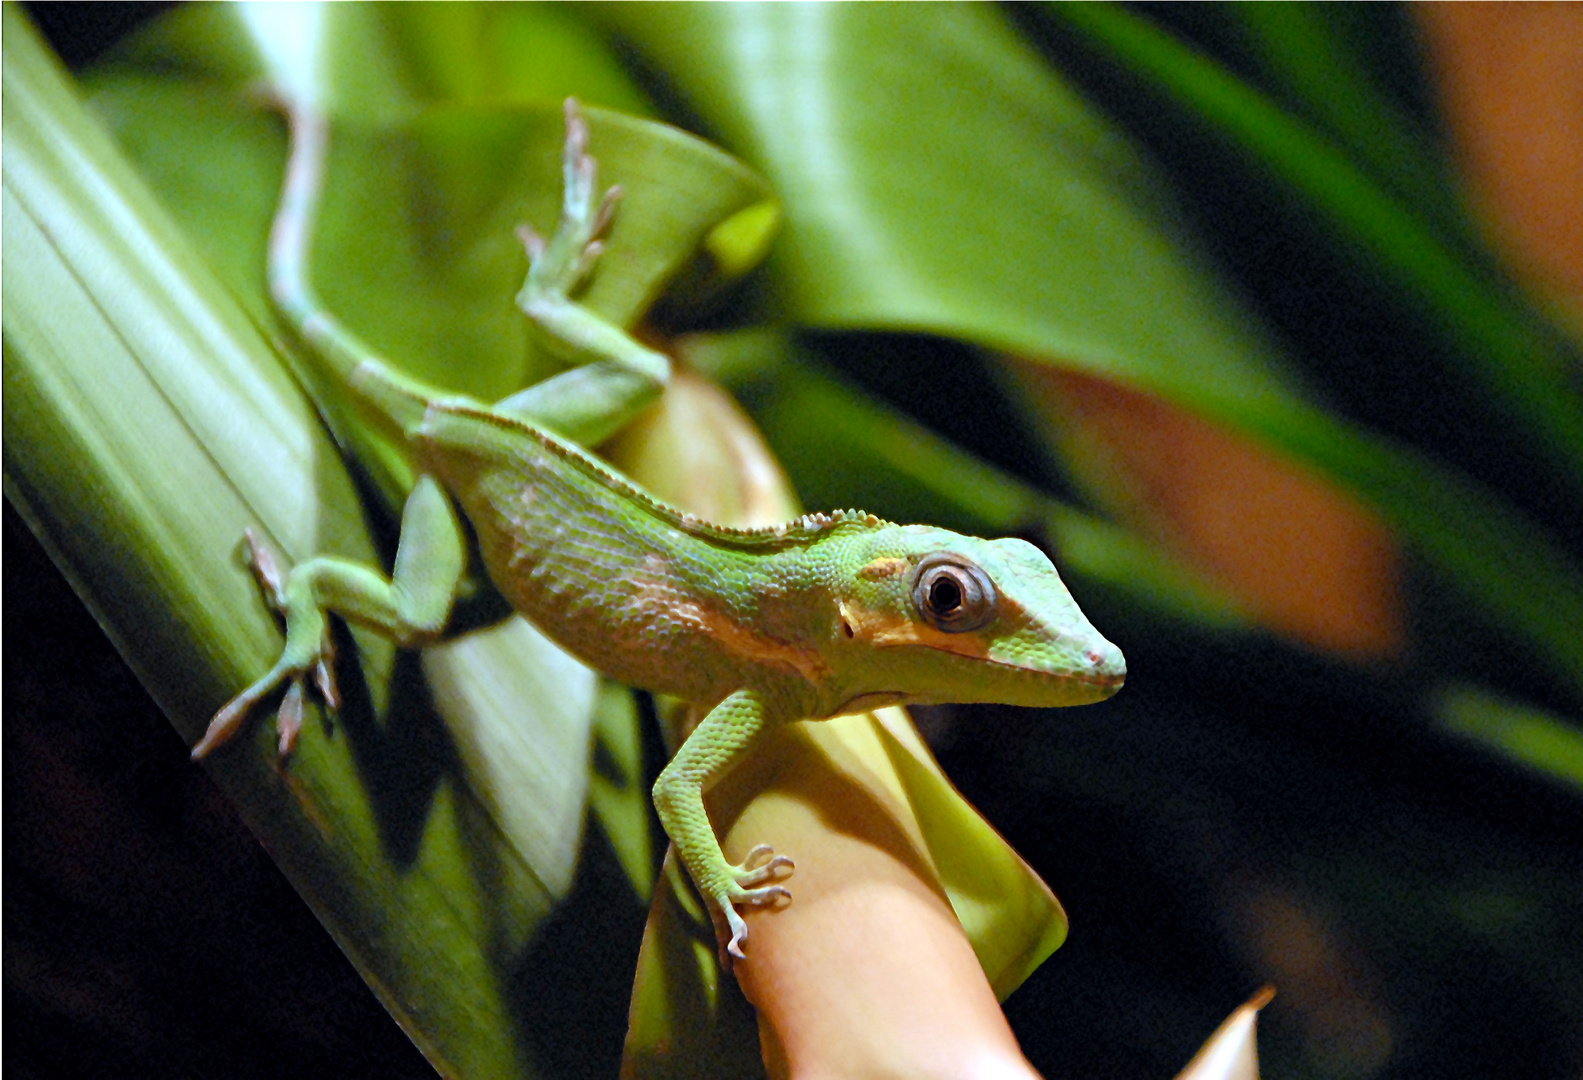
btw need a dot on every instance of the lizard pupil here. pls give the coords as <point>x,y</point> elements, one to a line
<point>945,595</point>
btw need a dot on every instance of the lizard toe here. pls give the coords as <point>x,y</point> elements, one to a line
<point>324,672</point>
<point>265,564</point>
<point>767,871</point>
<point>763,896</point>
<point>288,721</point>
<point>223,726</point>
<point>739,933</point>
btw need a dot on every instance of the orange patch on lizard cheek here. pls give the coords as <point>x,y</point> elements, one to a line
<point>883,630</point>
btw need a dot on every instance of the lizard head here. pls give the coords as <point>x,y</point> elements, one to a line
<point>955,618</point>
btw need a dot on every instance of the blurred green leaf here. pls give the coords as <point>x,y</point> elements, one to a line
<point>1313,57</point>
<point>372,62</point>
<point>1520,361</point>
<point>998,208</point>
<point>1531,737</point>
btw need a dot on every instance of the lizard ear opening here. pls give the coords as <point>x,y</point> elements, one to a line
<point>952,594</point>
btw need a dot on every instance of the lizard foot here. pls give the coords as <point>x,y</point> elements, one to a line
<point>265,564</point>
<point>558,265</point>
<point>228,721</point>
<point>747,887</point>
<point>292,668</point>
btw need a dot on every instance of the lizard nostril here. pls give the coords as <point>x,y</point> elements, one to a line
<point>1093,656</point>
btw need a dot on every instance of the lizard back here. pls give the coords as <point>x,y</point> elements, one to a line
<point>641,590</point>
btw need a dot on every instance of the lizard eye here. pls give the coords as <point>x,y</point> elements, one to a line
<point>952,594</point>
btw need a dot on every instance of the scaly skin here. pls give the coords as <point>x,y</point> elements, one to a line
<point>821,616</point>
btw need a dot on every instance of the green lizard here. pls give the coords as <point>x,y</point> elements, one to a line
<point>825,615</point>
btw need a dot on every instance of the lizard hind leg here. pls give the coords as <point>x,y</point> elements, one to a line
<point>304,651</point>
<point>410,607</point>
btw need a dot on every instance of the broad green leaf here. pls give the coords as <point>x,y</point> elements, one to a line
<point>149,423</point>
<point>416,251</point>
<point>939,177</point>
<point>1029,225</point>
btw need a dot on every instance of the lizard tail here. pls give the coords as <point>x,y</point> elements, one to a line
<point>349,361</point>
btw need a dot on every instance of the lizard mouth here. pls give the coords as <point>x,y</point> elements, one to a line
<point>879,699</point>
<point>876,699</point>
<point>1088,678</point>
<point>1098,679</point>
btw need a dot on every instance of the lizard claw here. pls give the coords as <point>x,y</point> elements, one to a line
<point>739,933</point>
<point>224,725</point>
<point>763,896</point>
<point>760,897</point>
<point>767,864</point>
<point>261,559</point>
<point>228,721</point>
<point>531,241</point>
<point>746,886</point>
<point>288,721</point>
<point>324,671</point>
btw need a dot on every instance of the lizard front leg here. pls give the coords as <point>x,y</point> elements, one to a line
<point>718,743</point>
<point>410,607</point>
<point>618,376</point>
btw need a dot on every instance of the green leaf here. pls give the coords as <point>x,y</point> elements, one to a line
<point>150,420</point>
<point>1315,55</point>
<point>1529,737</point>
<point>415,250</point>
<point>1521,362</point>
<point>939,177</point>
<point>1026,224</point>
